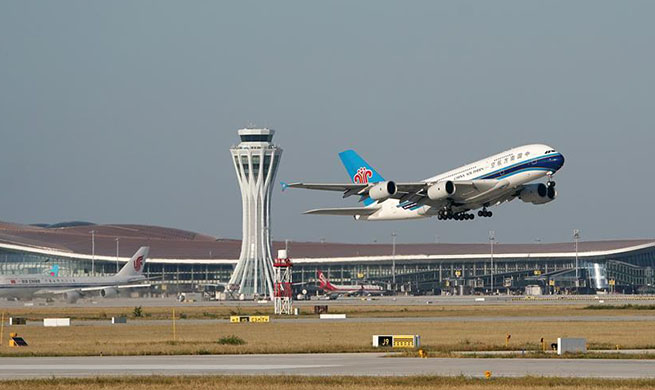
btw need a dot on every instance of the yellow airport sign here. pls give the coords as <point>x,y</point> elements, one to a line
<point>403,341</point>
<point>237,319</point>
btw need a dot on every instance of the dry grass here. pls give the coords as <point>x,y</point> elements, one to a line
<point>326,383</point>
<point>296,337</point>
<point>368,309</point>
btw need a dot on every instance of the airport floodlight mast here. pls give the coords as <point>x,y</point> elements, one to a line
<point>576,238</point>
<point>256,160</point>
<point>393,259</point>
<point>283,294</point>
<point>492,239</point>
<point>93,252</point>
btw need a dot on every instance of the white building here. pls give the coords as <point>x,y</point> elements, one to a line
<point>255,160</point>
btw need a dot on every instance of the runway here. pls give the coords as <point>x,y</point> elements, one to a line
<point>426,300</point>
<point>367,364</point>
<point>304,320</point>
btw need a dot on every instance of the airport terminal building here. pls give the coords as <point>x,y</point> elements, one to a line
<point>182,261</point>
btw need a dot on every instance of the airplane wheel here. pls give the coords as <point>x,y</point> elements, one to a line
<point>471,216</point>
<point>490,214</point>
<point>480,214</point>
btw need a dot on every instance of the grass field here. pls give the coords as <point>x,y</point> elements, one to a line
<point>297,337</point>
<point>326,383</point>
<point>141,336</point>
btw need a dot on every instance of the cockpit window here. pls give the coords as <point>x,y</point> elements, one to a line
<point>549,151</point>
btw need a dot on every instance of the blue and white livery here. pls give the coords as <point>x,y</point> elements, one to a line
<point>452,195</point>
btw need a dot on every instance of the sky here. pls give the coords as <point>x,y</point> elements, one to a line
<point>124,111</point>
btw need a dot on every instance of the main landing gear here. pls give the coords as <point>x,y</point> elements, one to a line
<point>447,214</point>
<point>485,213</point>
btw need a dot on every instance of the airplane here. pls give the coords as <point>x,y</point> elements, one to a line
<point>73,288</point>
<point>350,289</point>
<point>452,195</point>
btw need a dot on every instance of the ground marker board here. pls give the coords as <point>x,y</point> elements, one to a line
<point>397,341</point>
<point>237,319</point>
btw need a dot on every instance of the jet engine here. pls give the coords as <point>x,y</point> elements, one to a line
<point>383,190</point>
<point>72,296</point>
<point>538,193</point>
<point>109,292</point>
<point>441,190</point>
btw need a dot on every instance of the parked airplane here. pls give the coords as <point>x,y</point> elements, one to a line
<point>451,195</point>
<point>73,288</point>
<point>347,289</point>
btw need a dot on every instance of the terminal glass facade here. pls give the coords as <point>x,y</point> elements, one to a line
<point>630,271</point>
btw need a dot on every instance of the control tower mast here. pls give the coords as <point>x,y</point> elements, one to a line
<point>256,160</point>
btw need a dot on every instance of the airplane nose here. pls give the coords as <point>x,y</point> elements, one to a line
<point>560,161</point>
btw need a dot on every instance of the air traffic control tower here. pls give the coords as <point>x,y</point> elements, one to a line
<point>256,160</point>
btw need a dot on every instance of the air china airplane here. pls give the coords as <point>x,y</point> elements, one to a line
<point>450,195</point>
<point>349,289</point>
<point>73,288</point>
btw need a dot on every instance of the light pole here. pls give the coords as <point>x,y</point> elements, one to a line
<point>117,250</point>
<point>393,259</point>
<point>492,238</point>
<point>576,237</point>
<point>93,252</point>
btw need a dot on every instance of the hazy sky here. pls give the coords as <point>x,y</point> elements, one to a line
<point>124,111</point>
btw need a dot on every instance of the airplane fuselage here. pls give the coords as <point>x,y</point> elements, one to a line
<point>24,286</point>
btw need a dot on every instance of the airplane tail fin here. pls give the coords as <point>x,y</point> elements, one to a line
<point>359,170</point>
<point>324,282</point>
<point>54,271</point>
<point>135,266</point>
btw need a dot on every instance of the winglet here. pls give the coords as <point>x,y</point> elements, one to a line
<point>284,185</point>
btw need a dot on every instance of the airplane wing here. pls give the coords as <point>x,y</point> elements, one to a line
<point>326,186</point>
<point>414,192</point>
<point>87,289</point>
<point>350,189</point>
<point>344,211</point>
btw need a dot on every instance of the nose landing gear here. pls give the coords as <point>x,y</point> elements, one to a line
<point>550,183</point>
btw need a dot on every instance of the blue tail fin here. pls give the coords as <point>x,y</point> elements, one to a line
<point>360,171</point>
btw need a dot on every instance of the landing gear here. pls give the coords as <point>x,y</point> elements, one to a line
<point>550,183</point>
<point>485,213</point>
<point>447,214</point>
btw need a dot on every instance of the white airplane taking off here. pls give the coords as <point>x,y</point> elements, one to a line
<point>73,288</point>
<point>450,195</point>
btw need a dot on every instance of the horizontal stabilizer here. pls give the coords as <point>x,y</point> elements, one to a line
<point>344,211</point>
